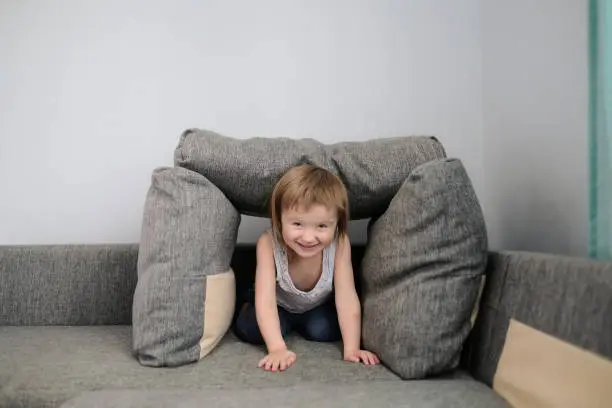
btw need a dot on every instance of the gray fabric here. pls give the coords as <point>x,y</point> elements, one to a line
<point>421,271</point>
<point>457,393</point>
<point>188,233</point>
<point>567,297</point>
<point>43,366</point>
<point>247,169</point>
<point>67,284</point>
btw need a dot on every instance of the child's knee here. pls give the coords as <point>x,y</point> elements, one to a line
<point>323,330</point>
<point>246,327</point>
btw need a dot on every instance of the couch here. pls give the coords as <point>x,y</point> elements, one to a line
<point>65,340</point>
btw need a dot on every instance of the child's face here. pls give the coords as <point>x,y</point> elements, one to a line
<point>308,231</point>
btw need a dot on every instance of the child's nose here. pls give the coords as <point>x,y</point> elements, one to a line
<point>309,236</point>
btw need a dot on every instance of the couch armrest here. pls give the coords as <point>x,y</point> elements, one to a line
<point>568,298</point>
<point>67,284</point>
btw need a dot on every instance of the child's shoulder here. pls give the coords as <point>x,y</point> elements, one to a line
<point>343,247</point>
<point>265,239</point>
<point>265,248</point>
<point>343,241</point>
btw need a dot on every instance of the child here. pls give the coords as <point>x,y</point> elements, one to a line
<point>301,262</point>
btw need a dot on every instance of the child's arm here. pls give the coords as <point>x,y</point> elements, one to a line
<point>348,306</point>
<point>265,296</point>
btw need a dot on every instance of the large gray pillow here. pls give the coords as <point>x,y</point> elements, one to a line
<point>185,294</point>
<point>247,169</point>
<point>422,269</point>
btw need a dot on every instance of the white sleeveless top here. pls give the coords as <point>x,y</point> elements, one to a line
<point>293,299</point>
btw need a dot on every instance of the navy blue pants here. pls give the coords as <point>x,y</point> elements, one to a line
<point>318,324</point>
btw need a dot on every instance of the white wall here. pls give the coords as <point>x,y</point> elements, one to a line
<point>535,100</point>
<point>93,97</point>
<point>94,94</point>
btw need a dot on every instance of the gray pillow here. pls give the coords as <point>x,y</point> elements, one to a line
<point>422,269</point>
<point>247,169</point>
<point>184,298</point>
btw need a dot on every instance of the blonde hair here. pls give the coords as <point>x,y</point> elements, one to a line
<point>307,185</point>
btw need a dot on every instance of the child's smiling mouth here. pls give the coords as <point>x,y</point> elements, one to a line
<point>308,246</point>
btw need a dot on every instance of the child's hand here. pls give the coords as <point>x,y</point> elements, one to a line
<point>278,360</point>
<point>357,356</point>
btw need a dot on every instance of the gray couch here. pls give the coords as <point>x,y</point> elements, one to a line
<point>65,338</point>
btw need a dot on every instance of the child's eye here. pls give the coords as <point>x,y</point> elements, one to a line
<point>297,224</point>
<point>322,226</point>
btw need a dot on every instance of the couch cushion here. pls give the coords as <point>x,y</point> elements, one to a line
<point>43,366</point>
<point>545,313</point>
<point>68,284</point>
<point>247,169</point>
<point>442,393</point>
<point>422,270</point>
<point>185,295</point>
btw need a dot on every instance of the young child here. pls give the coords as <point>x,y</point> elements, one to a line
<point>304,276</point>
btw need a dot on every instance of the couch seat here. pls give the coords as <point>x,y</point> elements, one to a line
<point>48,366</point>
